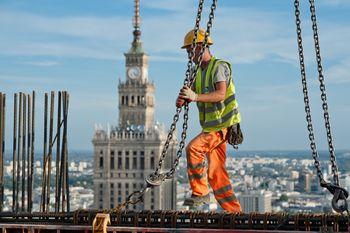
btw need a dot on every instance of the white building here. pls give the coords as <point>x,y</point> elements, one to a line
<point>256,201</point>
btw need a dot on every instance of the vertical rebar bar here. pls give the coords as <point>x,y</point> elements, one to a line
<point>29,144</point>
<point>24,132</point>
<point>31,176</point>
<point>43,183</point>
<point>58,144</point>
<point>49,159</point>
<point>19,146</point>
<point>66,153</point>
<point>14,148</point>
<point>63,164</point>
<point>2,114</point>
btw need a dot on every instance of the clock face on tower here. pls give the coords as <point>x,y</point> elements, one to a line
<point>134,72</point>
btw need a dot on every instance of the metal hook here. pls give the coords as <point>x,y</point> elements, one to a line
<point>340,195</point>
<point>155,180</point>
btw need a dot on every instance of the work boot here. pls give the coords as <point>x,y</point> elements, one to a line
<point>195,200</point>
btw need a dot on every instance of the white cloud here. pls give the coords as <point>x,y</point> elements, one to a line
<point>40,63</point>
<point>339,73</point>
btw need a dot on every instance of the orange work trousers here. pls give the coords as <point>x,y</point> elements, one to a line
<point>212,145</point>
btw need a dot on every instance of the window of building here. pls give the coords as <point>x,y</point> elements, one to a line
<point>119,185</point>
<point>152,162</point>
<point>134,162</point>
<point>138,100</point>
<point>120,161</point>
<point>101,162</point>
<point>123,99</point>
<point>101,152</point>
<point>142,162</point>
<point>101,186</point>
<point>112,205</point>
<point>126,100</point>
<point>132,99</point>
<point>127,163</point>
<point>127,153</point>
<point>112,162</point>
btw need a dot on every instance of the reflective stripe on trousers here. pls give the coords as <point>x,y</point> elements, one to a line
<point>212,145</point>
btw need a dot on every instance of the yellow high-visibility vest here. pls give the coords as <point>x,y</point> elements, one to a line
<point>219,115</point>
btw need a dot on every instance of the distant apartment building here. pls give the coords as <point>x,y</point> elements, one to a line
<point>259,201</point>
<point>126,154</point>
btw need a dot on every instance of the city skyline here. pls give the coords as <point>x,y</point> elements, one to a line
<point>79,47</point>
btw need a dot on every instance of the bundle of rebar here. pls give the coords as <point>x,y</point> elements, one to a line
<point>23,152</point>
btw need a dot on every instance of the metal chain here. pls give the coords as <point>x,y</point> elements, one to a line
<point>323,93</point>
<point>306,95</point>
<point>339,193</point>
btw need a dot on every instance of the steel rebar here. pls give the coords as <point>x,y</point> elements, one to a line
<point>19,147</point>
<point>49,159</point>
<point>29,144</point>
<point>2,145</point>
<point>24,132</point>
<point>43,193</point>
<point>14,151</point>
<point>58,144</point>
<point>66,152</point>
<point>31,176</point>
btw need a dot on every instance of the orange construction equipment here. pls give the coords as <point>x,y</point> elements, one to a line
<point>212,145</point>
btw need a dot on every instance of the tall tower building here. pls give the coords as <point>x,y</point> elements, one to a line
<point>126,154</point>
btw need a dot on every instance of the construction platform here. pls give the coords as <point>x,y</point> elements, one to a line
<point>173,221</point>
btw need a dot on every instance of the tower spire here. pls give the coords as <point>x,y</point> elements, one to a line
<point>136,44</point>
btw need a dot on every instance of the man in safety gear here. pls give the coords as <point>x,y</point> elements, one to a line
<point>214,92</point>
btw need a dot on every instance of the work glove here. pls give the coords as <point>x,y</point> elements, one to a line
<point>187,94</point>
<point>179,102</point>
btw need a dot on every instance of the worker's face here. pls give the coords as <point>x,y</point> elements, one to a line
<point>197,51</point>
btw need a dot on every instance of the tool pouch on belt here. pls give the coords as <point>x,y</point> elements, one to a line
<point>234,135</point>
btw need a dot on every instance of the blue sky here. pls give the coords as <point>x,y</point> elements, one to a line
<point>78,46</point>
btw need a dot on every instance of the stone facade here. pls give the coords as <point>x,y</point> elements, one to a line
<point>125,155</point>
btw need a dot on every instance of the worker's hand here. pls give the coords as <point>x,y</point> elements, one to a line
<point>187,94</point>
<point>180,102</point>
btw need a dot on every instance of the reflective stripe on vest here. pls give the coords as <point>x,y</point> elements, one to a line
<point>219,115</point>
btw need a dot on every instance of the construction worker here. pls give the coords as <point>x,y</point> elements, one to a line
<point>214,92</point>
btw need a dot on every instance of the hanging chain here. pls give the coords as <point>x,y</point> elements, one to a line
<point>339,193</point>
<point>306,95</point>
<point>323,93</point>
